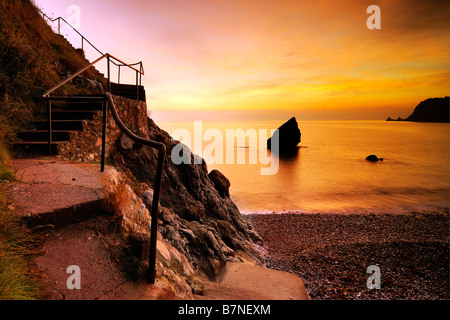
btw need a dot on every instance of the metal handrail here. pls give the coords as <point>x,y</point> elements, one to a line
<point>107,100</point>
<point>106,55</point>
<point>46,93</point>
<point>151,272</point>
<point>59,29</point>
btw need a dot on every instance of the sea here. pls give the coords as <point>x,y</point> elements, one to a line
<point>328,173</point>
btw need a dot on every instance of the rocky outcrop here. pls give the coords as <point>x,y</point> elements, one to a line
<point>133,218</point>
<point>430,110</point>
<point>221,183</point>
<point>197,217</point>
<point>398,119</point>
<point>289,136</point>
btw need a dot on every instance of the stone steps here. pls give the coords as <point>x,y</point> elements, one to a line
<point>54,193</point>
<point>42,135</point>
<point>33,148</point>
<point>67,116</point>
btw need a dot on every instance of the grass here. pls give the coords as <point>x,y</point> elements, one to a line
<point>6,173</point>
<point>18,280</point>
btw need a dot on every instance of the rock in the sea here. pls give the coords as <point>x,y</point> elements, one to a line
<point>373,158</point>
<point>289,136</point>
<point>221,183</point>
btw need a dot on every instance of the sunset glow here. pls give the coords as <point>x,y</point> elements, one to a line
<point>273,59</point>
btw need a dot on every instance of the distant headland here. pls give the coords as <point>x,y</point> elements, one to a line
<point>429,110</point>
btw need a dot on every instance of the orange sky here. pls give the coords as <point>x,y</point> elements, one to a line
<point>271,59</point>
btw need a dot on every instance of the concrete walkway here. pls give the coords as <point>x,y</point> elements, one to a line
<point>48,191</point>
<point>242,281</point>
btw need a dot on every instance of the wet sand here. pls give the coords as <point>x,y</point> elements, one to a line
<point>332,252</point>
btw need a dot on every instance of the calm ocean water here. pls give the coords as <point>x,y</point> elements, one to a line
<point>330,174</point>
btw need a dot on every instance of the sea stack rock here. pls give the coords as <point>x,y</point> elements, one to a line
<point>289,136</point>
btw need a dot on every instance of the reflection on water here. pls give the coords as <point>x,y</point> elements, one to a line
<point>329,171</point>
<point>287,157</point>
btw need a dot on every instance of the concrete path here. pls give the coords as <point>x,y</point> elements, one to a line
<point>243,281</point>
<point>48,191</point>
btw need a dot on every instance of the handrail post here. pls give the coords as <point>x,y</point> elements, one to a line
<point>82,45</point>
<point>49,126</point>
<point>151,273</point>
<point>137,86</point>
<point>109,76</point>
<point>105,112</point>
<point>59,26</point>
<point>118,77</point>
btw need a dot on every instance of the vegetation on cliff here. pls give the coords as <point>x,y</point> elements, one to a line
<point>18,281</point>
<point>32,59</point>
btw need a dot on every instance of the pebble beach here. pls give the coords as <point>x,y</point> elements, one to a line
<point>332,253</point>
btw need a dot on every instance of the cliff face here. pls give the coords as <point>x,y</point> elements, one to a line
<point>430,110</point>
<point>199,221</point>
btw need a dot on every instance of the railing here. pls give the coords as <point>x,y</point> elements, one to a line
<point>83,39</point>
<point>106,99</point>
<point>157,186</point>
<point>110,58</point>
<point>59,19</point>
<point>49,104</point>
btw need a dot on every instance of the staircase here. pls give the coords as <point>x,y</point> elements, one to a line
<point>68,115</point>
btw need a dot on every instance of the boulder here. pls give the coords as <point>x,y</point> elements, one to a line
<point>125,142</point>
<point>289,136</point>
<point>373,158</point>
<point>221,183</point>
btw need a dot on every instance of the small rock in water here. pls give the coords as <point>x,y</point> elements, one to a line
<point>373,158</point>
